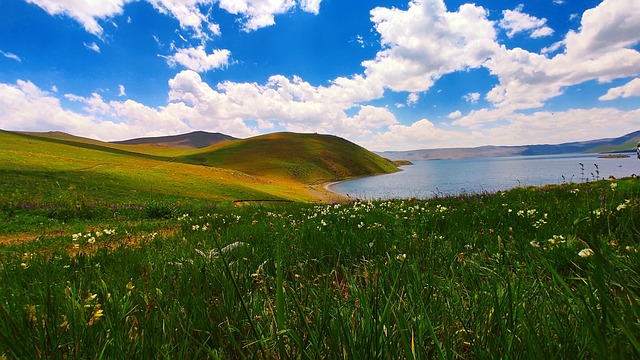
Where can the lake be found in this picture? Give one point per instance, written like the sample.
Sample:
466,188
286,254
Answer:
431,178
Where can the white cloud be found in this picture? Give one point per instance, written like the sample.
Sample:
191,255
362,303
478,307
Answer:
188,14
454,115
312,6
93,47
567,126
518,129
426,41
540,32
419,135
86,12
257,13
609,27
215,29
412,99
552,48
419,45
121,91
24,106
600,50
94,105
197,59
515,21
293,104
11,56
472,97
632,88
371,117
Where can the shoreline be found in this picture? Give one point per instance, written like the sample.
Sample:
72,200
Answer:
322,192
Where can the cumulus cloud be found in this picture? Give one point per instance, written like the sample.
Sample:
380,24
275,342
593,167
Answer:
197,59
11,56
517,129
419,45
86,12
515,21
24,106
601,50
454,115
426,41
121,91
632,88
94,104
312,6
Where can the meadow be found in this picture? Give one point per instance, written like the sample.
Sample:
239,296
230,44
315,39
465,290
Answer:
536,272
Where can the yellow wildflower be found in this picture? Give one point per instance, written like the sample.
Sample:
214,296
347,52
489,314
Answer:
97,314
65,323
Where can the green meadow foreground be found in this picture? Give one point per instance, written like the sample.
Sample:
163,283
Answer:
140,252
548,272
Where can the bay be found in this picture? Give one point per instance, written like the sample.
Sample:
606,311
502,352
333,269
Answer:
430,178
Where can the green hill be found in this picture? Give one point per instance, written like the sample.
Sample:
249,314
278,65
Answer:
307,158
621,144
270,167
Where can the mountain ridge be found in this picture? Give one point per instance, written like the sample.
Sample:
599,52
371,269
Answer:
191,140
625,143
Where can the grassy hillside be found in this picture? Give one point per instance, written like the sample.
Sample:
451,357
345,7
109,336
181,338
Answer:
62,169
66,168
621,144
160,152
310,158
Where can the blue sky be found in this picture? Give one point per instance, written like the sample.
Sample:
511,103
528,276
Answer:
388,75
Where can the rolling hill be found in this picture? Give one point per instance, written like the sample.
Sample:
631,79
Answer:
271,167
309,158
621,144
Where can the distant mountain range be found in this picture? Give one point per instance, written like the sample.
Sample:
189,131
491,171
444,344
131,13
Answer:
612,145
192,140
626,143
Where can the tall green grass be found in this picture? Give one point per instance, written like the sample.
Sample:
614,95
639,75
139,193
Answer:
550,272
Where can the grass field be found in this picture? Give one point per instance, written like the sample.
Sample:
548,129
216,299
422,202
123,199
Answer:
549,272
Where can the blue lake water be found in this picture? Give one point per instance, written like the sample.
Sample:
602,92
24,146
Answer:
431,178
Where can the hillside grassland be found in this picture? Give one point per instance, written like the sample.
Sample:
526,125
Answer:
92,269
60,168
549,272
309,158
